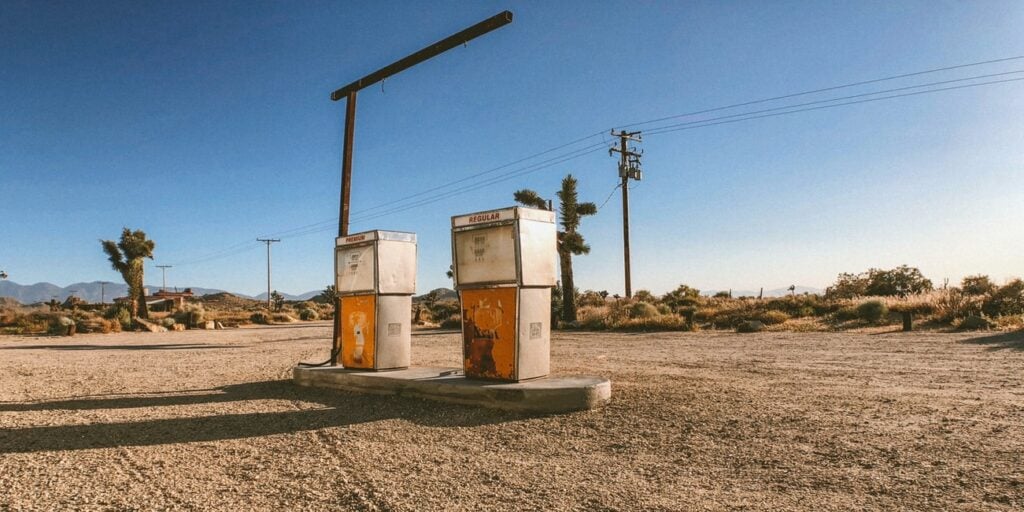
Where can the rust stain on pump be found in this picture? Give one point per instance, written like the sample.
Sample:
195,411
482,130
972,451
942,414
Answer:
358,316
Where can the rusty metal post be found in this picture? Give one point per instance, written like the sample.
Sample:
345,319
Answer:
346,162
346,193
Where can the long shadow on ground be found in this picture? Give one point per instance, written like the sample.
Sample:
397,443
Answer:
1002,341
329,408
154,346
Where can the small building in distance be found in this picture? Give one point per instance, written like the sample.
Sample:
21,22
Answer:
164,300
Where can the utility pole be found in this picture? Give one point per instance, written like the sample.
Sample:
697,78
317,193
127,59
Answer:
349,91
268,241
163,270
629,168
103,292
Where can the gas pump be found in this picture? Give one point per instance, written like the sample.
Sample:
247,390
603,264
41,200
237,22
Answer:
504,263
375,276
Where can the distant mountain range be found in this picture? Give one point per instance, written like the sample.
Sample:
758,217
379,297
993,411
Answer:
94,292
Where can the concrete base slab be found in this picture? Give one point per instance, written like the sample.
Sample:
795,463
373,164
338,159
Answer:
544,395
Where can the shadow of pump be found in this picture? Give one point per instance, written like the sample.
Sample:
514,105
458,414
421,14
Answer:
328,408
1001,341
153,346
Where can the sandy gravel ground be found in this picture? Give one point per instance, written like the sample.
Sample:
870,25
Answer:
209,421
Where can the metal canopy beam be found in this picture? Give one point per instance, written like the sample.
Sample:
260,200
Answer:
497,21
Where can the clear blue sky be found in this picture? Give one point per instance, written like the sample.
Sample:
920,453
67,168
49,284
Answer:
208,124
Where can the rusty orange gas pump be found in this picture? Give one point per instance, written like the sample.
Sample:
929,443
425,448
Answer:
504,265
375,276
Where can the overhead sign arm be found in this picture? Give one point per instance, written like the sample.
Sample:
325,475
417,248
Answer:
494,22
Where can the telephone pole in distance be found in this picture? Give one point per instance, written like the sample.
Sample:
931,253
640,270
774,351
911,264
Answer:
629,168
268,241
163,270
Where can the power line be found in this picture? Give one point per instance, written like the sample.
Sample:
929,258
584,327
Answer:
831,100
703,124
610,194
825,89
522,171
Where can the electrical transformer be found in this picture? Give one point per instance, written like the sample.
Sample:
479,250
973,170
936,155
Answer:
375,276
504,264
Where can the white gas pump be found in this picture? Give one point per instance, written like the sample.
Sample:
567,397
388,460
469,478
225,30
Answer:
504,263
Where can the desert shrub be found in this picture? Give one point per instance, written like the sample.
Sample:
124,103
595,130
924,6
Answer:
797,305
8,316
771,317
655,323
308,315
977,285
920,304
682,296
452,322
97,324
191,315
1008,322
872,311
645,296
952,304
259,317
119,313
642,310
1006,300
900,281
59,325
723,295
664,309
168,322
443,310
845,314
591,298
973,323
282,318
593,318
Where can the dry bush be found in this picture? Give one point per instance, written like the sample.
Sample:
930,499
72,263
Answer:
283,318
191,315
452,322
642,310
628,316
771,317
593,318
872,311
952,305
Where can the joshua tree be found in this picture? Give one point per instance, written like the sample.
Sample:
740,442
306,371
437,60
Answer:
126,256
328,296
570,241
277,300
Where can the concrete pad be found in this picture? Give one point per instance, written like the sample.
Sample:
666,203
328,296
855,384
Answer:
544,395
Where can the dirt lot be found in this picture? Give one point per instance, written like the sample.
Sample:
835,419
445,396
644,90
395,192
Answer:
208,420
